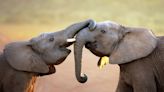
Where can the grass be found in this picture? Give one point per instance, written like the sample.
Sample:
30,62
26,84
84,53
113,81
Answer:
23,19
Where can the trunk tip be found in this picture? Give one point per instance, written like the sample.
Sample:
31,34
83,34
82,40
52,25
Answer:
83,78
92,25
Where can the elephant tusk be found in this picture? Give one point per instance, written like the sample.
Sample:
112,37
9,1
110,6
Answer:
71,40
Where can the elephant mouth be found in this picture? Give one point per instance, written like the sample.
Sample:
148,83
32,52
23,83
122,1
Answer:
64,48
92,47
60,61
68,51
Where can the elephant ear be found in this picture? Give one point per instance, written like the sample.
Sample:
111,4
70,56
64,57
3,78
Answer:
136,43
21,57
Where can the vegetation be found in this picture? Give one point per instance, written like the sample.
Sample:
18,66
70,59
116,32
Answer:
26,18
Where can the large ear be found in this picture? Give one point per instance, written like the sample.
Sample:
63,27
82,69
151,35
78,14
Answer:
136,43
21,57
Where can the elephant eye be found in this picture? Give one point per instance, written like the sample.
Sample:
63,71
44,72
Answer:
51,39
103,31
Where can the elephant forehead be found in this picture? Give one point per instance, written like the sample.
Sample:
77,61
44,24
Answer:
45,34
109,24
42,36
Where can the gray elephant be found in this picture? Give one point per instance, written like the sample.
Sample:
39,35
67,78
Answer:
22,62
137,51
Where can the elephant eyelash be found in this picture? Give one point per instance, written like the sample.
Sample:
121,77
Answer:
103,31
51,39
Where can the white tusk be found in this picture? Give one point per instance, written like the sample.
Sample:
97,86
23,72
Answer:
71,40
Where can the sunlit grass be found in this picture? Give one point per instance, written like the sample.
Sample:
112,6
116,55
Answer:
23,19
22,32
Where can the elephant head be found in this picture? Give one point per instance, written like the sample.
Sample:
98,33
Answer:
48,49
120,43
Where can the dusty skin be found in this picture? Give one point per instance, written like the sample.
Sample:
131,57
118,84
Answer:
104,80
99,80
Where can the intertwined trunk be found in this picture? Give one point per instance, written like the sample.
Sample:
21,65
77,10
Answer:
78,46
72,30
82,38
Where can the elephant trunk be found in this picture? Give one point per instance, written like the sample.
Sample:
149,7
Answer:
81,39
72,30
78,46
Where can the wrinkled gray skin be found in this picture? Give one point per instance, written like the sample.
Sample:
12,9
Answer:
136,50
22,62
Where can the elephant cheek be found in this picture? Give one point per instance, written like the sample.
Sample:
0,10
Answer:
62,56
60,61
97,53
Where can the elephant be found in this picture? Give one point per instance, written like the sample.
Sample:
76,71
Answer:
136,50
22,62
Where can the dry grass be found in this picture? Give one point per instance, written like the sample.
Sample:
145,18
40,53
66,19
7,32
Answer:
147,13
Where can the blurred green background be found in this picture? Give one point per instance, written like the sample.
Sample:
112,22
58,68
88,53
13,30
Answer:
23,19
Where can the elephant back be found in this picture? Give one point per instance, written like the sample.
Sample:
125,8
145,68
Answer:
4,66
157,58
